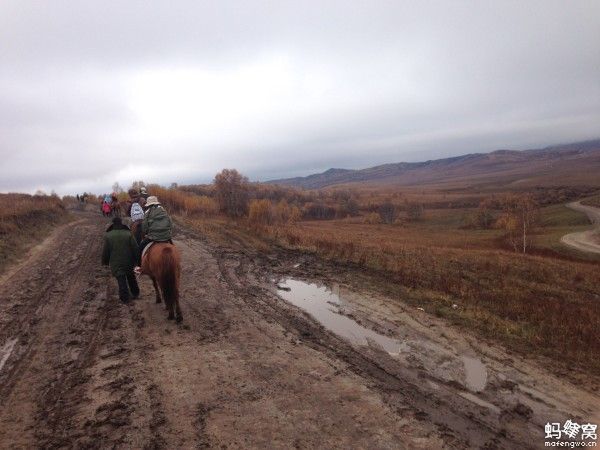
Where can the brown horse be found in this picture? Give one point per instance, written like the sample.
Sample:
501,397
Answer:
136,231
116,208
162,263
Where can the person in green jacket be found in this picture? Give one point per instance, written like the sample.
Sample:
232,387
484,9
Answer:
157,226
120,253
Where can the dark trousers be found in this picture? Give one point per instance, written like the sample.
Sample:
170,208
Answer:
124,289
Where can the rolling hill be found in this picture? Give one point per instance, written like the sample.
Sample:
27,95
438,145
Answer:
569,164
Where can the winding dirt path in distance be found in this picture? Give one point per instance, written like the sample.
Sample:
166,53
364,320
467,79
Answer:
589,240
246,369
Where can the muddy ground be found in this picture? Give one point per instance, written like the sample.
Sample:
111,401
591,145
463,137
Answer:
246,369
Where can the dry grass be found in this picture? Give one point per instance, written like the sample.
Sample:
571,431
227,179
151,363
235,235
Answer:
592,201
531,302
184,203
24,218
547,302
543,304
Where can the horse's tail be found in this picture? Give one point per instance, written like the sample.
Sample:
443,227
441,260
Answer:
169,276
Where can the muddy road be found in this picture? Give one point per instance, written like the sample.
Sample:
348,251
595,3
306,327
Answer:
246,368
589,240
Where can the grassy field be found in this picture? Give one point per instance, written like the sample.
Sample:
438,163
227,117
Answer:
592,201
555,222
25,219
545,302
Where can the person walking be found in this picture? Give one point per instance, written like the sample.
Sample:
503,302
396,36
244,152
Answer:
120,253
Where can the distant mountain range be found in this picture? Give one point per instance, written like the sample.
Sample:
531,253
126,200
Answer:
568,164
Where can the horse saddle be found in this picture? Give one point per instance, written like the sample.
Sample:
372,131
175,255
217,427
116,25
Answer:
150,244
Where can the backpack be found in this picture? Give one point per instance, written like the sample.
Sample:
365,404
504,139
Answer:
137,213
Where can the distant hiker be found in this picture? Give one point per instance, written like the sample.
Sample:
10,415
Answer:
120,253
143,196
106,209
136,213
156,226
134,197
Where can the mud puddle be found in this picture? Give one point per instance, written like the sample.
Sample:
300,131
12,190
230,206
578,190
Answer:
326,307
330,310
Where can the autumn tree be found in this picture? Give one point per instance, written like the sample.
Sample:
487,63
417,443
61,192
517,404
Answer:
116,188
348,207
387,212
231,191
520,215
137,185
483,217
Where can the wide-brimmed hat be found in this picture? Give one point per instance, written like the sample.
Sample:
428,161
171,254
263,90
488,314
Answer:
143,190
152,200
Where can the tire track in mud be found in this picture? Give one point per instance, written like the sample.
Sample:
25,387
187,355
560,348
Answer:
458,421
68,382
35,306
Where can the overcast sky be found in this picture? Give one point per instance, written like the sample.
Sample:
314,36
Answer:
93,92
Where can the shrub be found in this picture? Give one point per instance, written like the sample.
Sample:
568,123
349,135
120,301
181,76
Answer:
414,211
260,212
231,190
372,218
387,212
184,203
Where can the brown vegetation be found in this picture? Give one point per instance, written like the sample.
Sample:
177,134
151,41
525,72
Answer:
231,192
592,201
25,218
529,302
542,302
184,203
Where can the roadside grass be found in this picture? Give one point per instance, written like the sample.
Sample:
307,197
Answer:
534,304
25,219
556,221
562,216
592,201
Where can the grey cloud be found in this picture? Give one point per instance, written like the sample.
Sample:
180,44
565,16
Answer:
92,92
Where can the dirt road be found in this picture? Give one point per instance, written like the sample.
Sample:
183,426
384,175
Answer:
589,240
246,368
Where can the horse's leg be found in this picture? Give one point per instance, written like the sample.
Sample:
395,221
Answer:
169,305
156,289
178,315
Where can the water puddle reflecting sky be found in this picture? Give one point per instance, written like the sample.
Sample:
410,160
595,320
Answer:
327,308
324,306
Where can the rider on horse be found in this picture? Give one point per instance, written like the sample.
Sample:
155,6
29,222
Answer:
136,212
156,226
143,195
